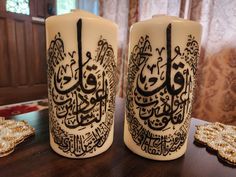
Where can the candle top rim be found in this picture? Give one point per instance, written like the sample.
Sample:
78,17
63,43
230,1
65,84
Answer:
163,18
78,13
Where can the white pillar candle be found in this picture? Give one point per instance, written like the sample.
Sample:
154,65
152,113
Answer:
82,52
163,55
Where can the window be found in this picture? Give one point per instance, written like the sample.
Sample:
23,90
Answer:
18,6
65,6
88,5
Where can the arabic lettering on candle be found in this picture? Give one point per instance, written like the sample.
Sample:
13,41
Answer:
82,93
159,92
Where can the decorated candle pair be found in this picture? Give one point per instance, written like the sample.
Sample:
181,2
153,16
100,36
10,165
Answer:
82,52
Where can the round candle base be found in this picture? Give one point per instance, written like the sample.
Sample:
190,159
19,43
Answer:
98,151
137,149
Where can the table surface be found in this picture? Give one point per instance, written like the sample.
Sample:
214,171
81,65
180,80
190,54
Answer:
34,157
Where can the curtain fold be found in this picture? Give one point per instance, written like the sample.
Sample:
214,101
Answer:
118,12
216,88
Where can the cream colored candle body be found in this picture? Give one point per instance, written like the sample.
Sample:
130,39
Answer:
163,55
82,52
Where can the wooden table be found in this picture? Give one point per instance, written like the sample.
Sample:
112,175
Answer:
34,157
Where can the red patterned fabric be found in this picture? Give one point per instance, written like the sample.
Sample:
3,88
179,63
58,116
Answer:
15,110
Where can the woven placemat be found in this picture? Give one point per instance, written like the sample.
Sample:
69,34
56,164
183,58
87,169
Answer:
12,133
220,138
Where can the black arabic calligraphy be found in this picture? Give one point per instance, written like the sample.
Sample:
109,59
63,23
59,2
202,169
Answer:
81,92
159,92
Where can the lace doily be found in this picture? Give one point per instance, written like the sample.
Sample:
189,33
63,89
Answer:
12,133
219,137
